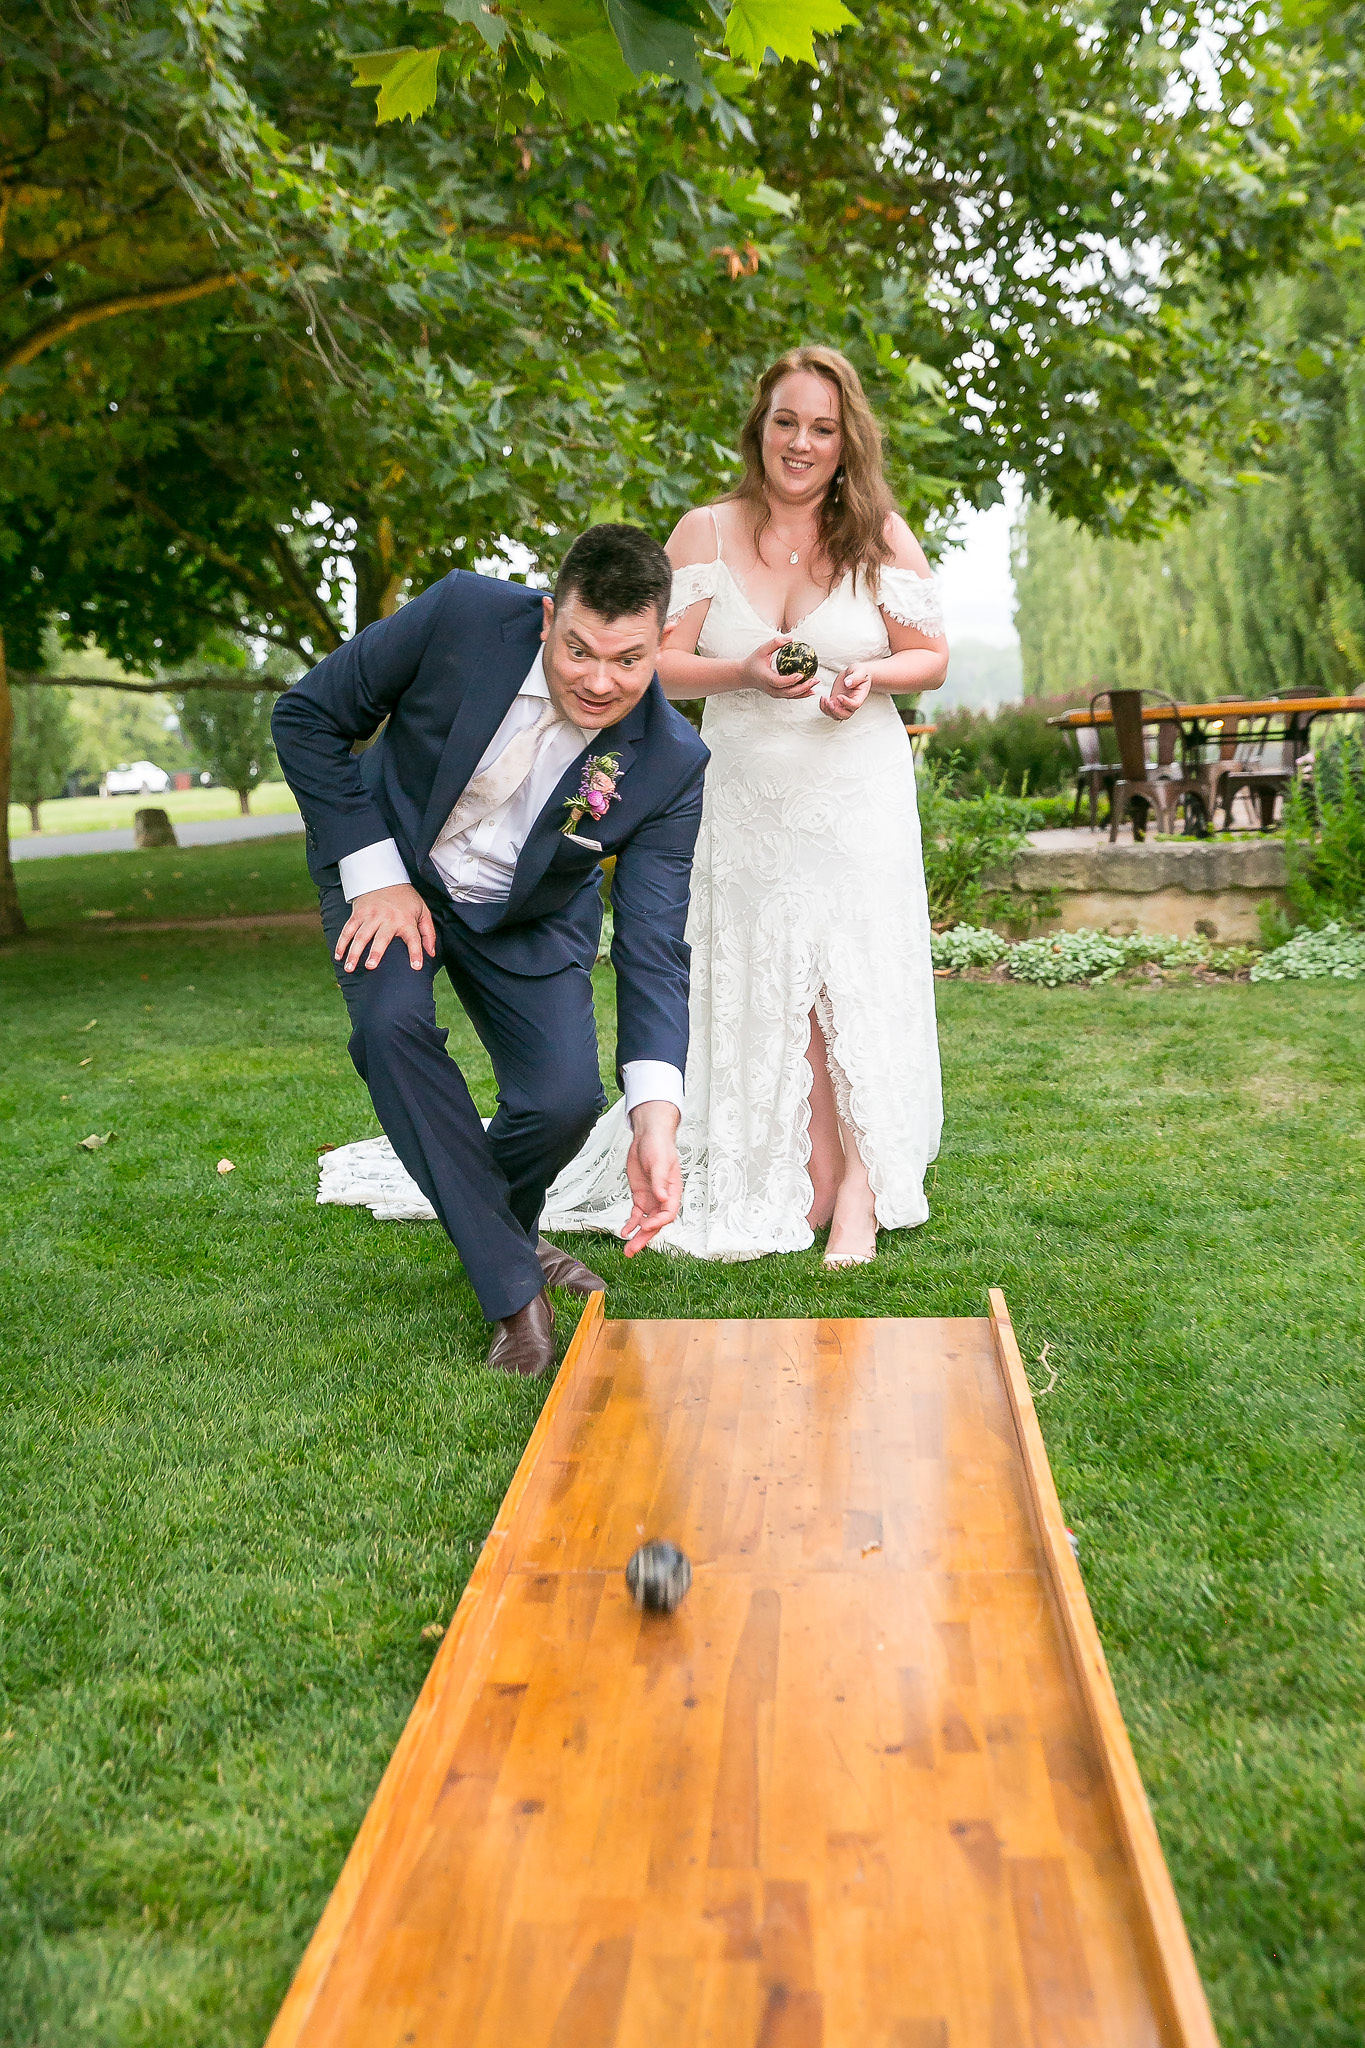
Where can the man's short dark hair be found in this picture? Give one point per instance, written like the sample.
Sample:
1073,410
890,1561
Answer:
617,571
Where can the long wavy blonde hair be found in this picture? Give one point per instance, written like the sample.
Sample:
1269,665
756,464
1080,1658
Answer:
853,516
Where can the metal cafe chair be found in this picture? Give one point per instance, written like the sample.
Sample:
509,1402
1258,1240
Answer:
1093,774
1141,788
1265,769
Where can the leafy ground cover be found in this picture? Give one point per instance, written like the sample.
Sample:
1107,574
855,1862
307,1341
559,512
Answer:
250,1451
1054,959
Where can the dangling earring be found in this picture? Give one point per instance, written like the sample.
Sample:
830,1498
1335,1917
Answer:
838,490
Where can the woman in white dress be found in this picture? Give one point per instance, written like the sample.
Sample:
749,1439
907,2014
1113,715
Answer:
812,1090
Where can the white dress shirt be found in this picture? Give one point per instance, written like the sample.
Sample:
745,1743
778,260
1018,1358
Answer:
477,865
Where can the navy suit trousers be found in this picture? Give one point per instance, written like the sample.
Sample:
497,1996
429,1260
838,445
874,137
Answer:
487,1187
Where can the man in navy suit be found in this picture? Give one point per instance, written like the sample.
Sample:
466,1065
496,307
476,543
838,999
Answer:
454,842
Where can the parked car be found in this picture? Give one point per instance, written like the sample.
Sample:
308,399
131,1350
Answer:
136,778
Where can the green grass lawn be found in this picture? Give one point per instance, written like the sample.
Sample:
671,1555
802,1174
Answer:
249,1449
248,876
184,806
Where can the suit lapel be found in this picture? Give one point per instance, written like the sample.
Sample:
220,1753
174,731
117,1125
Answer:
503,665
535,856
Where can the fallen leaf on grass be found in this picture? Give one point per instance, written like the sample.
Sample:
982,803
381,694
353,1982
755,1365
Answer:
325,1148
90,1026
433,1632
87,1061
93,1143
226,1166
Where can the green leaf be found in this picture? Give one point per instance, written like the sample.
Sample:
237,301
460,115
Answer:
652,42
786,27
406,79
594,79
764,198
492,27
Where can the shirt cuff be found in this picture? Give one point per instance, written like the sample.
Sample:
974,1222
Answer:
373,867
651,1081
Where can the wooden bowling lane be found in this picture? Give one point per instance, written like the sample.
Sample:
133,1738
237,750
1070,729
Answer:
868,1788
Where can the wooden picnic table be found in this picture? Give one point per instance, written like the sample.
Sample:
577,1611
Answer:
1194,720
1262,722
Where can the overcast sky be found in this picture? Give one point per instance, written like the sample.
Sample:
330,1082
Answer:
978,593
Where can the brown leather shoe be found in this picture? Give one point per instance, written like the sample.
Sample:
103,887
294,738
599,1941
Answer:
525,1343
561,1270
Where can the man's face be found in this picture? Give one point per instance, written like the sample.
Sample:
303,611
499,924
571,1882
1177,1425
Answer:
597,669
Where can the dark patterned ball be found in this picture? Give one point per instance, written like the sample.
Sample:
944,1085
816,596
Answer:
796,659
658,1576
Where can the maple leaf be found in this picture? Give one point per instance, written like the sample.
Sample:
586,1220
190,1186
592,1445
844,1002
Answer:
406,78
786,27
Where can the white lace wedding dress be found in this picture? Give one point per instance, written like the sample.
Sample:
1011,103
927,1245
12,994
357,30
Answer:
807,894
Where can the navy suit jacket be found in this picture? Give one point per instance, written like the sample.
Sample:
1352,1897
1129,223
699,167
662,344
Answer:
443,672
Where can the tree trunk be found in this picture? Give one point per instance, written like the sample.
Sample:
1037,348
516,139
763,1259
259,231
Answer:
11,916
378,578
35,817
244,799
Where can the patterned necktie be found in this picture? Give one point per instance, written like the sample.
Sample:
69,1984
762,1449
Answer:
502,778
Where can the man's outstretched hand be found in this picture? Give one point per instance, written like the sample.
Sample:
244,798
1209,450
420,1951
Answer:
397,912
654,1174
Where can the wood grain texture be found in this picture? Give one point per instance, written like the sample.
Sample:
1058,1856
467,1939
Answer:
853,1792
1235,707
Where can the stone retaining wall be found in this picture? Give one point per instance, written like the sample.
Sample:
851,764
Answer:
1198,886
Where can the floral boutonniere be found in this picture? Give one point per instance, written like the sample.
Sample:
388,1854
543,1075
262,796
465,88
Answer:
597,791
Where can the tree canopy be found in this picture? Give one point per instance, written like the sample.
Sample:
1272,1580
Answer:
342,358
265,363
585,56
1262,590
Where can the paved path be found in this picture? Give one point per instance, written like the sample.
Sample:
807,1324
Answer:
209,832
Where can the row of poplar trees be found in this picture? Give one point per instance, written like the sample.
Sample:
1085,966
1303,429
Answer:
1262,590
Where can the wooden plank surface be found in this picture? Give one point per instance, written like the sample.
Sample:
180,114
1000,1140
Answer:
854,1792
1218,707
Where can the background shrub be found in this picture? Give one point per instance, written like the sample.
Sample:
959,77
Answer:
1013,750
964,838
1324,838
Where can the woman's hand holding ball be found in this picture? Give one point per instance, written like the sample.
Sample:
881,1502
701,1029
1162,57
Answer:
762,670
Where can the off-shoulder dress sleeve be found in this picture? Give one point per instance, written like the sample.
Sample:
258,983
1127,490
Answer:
690,585
911,599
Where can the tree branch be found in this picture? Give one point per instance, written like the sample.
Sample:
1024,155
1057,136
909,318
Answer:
240,680
63,325
117,219
262,592
294,576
